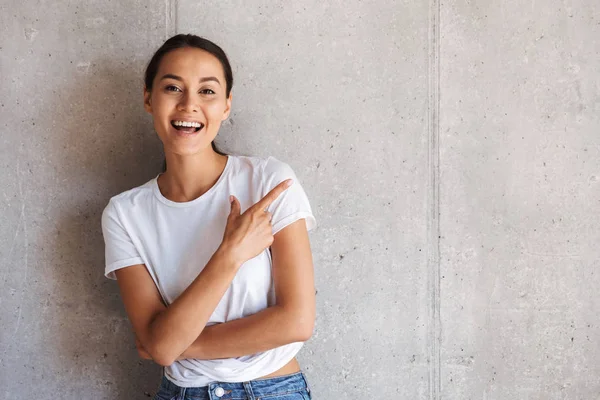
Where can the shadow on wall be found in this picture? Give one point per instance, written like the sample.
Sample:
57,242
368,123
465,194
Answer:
106,145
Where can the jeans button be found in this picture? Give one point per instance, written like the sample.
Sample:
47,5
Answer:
219,392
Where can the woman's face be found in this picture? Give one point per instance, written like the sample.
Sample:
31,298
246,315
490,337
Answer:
189,87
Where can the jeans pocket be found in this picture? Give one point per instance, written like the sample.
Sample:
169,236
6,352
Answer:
159,397
164,395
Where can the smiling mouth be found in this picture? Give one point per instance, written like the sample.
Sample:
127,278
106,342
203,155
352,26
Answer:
188,129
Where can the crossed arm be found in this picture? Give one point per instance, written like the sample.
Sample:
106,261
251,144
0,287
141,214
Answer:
290,320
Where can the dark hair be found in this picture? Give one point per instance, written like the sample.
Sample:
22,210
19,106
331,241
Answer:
182,41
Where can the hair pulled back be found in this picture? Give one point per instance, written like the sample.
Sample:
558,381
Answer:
182,41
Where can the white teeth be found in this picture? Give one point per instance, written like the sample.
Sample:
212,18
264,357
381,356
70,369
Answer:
187,124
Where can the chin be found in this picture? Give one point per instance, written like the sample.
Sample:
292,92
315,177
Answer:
189,150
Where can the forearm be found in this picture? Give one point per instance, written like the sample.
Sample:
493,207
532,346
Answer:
177,327
265,330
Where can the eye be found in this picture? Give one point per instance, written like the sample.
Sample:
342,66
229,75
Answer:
171,87
207,91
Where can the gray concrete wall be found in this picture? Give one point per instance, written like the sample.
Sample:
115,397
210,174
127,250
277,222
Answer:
450,152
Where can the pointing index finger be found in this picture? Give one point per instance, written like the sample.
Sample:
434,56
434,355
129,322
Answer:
270,197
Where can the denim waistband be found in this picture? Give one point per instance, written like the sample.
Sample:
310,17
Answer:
259,388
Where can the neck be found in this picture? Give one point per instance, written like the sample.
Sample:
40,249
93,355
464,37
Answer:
189,177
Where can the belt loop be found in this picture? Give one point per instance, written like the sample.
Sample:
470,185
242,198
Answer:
248,389
305,382
209,389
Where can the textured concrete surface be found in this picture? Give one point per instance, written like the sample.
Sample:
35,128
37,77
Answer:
520,200
450,152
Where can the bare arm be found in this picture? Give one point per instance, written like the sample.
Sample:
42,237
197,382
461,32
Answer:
290,320
166,332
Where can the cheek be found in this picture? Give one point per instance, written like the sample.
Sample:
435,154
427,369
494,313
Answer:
214,110
160,105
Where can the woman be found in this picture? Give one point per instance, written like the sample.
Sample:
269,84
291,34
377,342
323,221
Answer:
212,256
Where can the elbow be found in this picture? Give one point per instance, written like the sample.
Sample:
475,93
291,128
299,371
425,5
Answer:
298,323
303,336
161,349
161,355
164,360
303,328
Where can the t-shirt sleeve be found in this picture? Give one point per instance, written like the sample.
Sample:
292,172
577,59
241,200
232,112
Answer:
119,250
292,204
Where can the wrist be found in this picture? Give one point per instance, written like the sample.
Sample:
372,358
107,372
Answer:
226,256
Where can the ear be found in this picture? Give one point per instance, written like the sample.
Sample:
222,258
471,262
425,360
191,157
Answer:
227,109
147,101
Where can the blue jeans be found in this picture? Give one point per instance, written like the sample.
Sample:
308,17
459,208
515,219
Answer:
285,387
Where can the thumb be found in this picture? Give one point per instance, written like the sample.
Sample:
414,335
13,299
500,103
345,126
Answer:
235,206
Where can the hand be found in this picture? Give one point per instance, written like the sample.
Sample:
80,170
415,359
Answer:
248,234
141,350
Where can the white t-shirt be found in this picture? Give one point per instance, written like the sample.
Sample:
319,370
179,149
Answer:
175,241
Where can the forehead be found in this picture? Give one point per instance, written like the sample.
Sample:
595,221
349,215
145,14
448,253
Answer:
191,63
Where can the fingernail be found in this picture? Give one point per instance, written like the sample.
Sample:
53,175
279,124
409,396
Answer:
230,199
289,183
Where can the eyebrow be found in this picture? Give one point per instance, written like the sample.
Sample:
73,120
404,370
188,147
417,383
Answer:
178,78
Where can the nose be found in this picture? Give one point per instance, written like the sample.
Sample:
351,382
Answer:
188,103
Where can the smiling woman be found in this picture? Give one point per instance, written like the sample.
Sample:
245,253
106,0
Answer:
196,55
212,256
